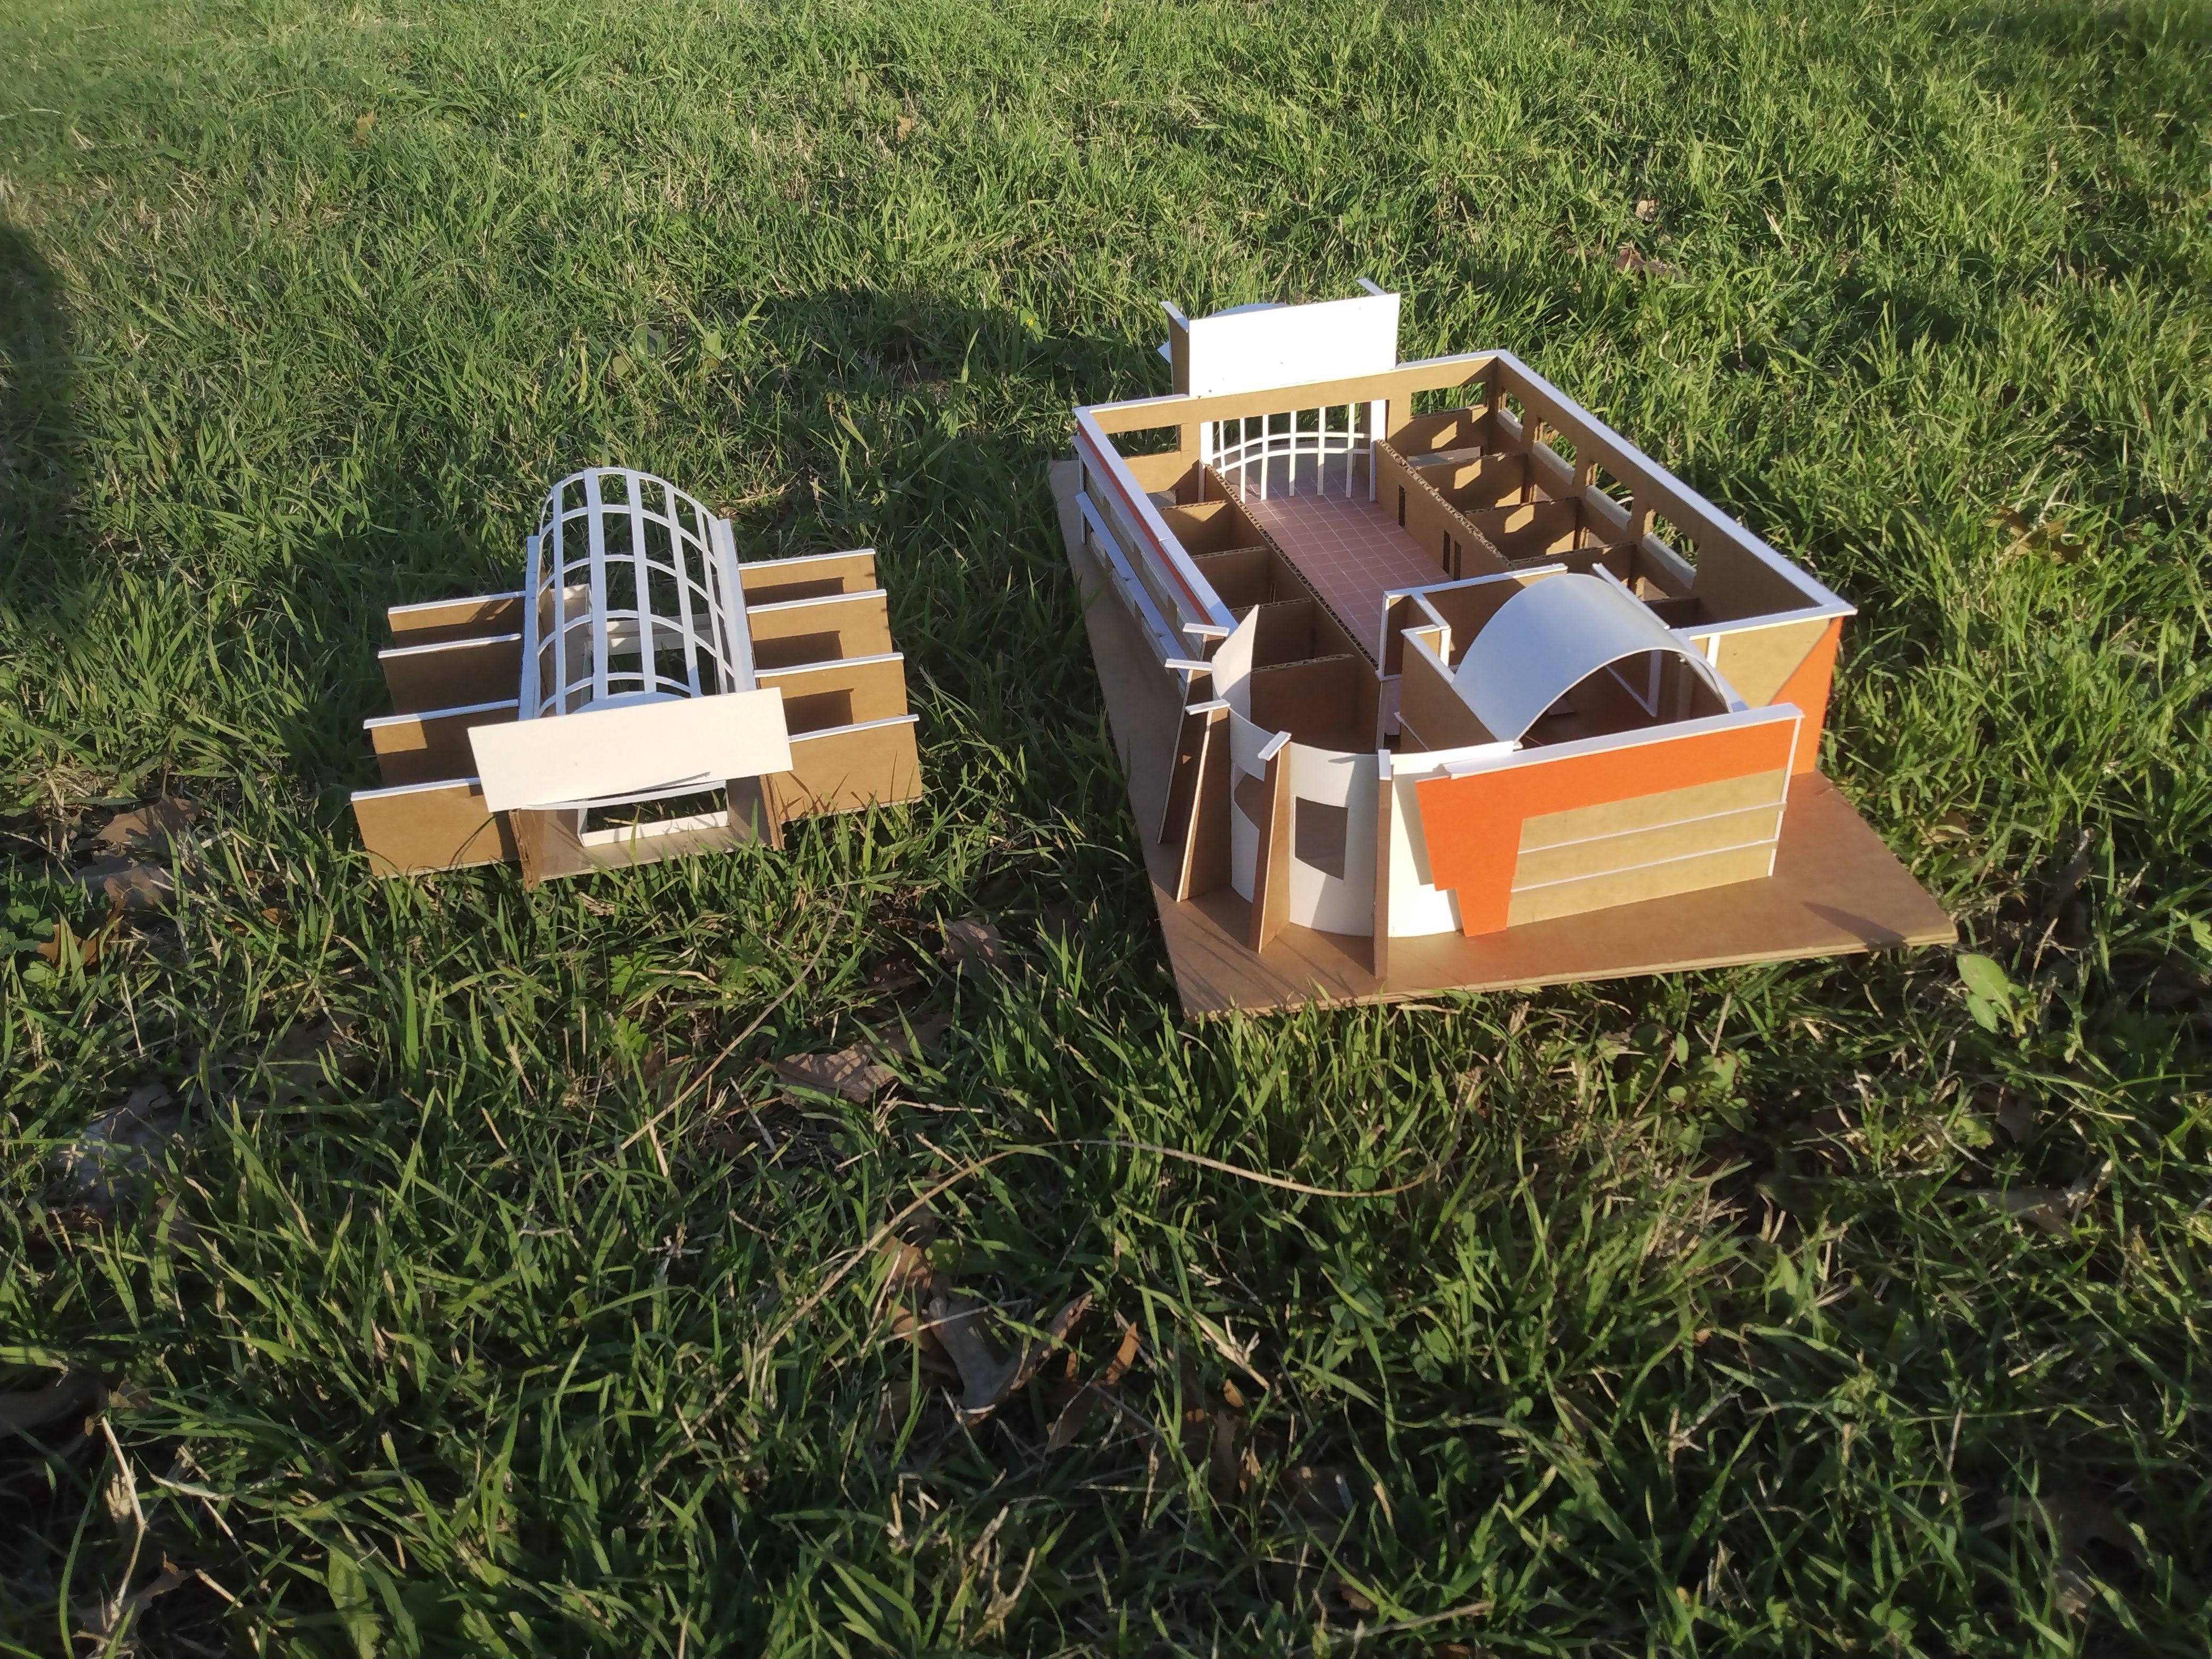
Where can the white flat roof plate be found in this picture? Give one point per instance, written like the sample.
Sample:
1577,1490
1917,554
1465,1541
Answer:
598,754
1256,349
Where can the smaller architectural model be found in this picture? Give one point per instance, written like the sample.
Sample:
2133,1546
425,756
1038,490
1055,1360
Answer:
643,695
1425,678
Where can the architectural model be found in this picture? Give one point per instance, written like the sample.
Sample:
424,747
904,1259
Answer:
1424,676
643,695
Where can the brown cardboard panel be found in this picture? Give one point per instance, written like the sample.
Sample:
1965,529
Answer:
1432,713
1317,700
1836,888
1620,818
822,575
1449,429
1580,860
441,826
433,746
1467,605
1388,386
853,767
1733,582
1209,526
1271,870
1239,577
549,844
1285,632
1436,526
438,621
1485,481
1757,662
1200,823
453,674
803,631
1174,470
874,688
1691,875
1385,798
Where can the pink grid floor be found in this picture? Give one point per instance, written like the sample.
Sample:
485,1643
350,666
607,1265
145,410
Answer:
1351,554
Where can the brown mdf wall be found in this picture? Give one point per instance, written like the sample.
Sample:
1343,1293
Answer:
1211,526
1436,527
781,581
850,767
1432,713
435,621
1546,530
434,746
1466,607
791,634
1451,429
825,694
1327,702
435,826
451,673
1485,481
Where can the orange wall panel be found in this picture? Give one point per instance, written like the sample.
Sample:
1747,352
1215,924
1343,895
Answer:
1473,823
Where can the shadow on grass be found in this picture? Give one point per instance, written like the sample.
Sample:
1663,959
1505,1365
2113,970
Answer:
38,459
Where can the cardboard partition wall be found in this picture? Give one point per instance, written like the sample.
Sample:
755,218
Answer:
643,695
1411,694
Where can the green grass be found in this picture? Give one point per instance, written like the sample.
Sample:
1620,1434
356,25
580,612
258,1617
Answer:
1722,1318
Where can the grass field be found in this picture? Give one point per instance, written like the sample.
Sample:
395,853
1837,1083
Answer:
1855,1305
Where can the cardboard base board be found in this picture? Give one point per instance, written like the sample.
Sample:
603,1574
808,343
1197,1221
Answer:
1836,888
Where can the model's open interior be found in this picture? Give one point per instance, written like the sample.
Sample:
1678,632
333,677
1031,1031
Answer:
1452,654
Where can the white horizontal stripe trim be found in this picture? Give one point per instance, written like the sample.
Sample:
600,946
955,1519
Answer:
825,598
1780,793
1646,864
418,788
376,721
448,645
798,738
447,605
824,667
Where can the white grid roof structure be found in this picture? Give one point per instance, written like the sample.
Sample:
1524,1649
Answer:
632,597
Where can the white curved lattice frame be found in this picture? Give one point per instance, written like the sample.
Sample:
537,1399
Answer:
632,597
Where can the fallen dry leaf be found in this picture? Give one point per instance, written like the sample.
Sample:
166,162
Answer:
128,884
916,1037
889,978
1952,826
975,943
295,1065
148,830
858,1072
2075,1520
1077,1411
61,944
1627,259
853,1073
2054,1209
987,1379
